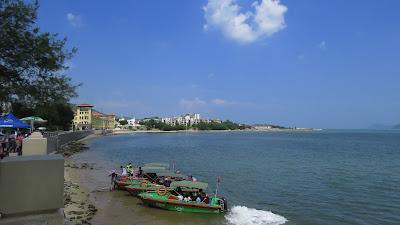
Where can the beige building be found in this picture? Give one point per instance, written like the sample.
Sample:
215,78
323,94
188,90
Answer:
87,118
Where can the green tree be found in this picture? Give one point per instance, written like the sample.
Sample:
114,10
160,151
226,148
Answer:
32,66
123,122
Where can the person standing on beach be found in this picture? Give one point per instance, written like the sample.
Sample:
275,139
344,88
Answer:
114,177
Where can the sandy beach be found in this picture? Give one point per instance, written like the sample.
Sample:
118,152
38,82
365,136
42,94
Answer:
78,208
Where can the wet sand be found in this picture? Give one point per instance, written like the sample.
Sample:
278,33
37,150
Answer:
77,207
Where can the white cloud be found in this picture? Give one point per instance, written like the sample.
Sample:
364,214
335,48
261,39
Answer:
191,103
218,101
267,19
322,45
74,20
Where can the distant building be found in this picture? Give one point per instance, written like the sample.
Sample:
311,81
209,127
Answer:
132,122
85,117
189,119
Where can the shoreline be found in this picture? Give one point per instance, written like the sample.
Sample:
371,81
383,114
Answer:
78,207
118,132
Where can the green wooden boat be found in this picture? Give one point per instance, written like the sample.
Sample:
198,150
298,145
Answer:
164,198
157,164
138,188
149,172
171,175
122,183
153,169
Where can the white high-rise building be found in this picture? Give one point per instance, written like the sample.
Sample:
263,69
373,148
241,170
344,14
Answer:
132,121
185,120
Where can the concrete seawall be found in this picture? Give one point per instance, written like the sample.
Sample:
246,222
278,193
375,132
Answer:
31,189
56,140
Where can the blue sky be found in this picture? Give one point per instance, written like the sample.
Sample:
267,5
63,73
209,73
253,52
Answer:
329,64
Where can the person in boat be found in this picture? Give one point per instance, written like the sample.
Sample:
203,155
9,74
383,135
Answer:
160,181
198,199
129,168
140,172
204,197
180,197
195,196
167,182
192,178
123,171
178,191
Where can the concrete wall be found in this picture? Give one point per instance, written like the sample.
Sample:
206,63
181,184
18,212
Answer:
30,184
65,138
52,144
57,140
54,217
35,144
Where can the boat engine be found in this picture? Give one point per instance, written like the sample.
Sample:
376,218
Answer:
224,204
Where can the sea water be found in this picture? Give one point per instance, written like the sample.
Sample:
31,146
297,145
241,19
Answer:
271,178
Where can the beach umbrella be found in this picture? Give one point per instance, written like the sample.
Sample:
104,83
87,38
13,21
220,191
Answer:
33,120
10,121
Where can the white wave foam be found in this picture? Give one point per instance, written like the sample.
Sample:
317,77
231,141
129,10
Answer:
241,215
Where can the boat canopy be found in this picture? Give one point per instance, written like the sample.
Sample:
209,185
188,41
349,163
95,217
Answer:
157,164
170,174
189,184
153,169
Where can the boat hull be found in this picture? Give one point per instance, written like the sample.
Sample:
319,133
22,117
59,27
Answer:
137,189
121,184
180,206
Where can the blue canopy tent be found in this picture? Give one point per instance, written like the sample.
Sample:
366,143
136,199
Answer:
10,121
